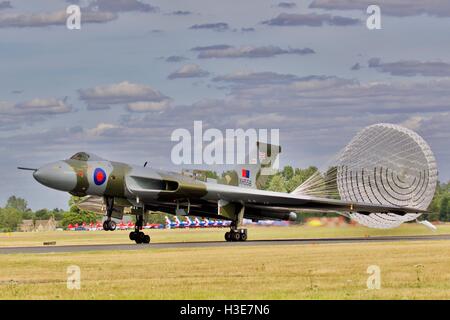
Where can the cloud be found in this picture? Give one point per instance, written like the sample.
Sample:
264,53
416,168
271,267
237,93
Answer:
24,20
356,67
411,68
121,6
5,5
100,129
148,106
256,78
219,26
101,97
188,71
397,8
310,20
286,5
175,59
15,115
181,13
213,47
225,51
37,106
250,29
413,123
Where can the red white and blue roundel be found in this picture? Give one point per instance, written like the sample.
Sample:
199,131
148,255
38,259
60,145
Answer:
99,176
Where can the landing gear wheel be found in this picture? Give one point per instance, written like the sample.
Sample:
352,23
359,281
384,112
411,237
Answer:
105,225
112,225
140,238
243,236
236,236
227,236
146,239
132,236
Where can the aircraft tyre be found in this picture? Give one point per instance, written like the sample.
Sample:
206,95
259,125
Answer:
238,235
139,237
109,225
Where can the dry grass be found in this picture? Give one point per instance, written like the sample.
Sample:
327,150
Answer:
313,271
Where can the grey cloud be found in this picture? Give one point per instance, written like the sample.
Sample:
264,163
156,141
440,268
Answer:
175,59
23,20
398,8
219,26
5,5
224,51
14,115
213,47
181,13
122,6
250,29
37,106
311,20
356,67
287,5
188,71
102,97
411,68
259,78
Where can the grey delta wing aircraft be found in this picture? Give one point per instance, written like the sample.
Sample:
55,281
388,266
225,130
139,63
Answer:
373,190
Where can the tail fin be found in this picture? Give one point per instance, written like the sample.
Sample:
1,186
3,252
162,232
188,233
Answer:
260,163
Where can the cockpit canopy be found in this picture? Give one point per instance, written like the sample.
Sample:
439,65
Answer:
84,156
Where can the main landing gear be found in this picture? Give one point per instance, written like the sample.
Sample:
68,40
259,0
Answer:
137,235
236,233
108,224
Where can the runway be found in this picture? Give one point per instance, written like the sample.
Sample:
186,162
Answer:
208,244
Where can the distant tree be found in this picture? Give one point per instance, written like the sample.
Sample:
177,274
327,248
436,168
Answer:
157,217
277,183
42,214
78,217
17,203
444,208
10,218
287,173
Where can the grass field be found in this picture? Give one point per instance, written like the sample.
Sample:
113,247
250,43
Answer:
409,270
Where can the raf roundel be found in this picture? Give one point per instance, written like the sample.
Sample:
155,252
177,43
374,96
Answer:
99,176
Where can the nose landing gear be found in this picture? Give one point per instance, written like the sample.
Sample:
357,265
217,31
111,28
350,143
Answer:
108,224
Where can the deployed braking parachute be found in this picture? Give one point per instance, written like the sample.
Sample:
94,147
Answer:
384,164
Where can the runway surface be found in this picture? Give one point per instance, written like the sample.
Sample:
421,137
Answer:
206,244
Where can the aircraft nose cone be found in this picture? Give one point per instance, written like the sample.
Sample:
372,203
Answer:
58,175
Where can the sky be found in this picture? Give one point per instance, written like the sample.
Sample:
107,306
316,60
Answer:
137,70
